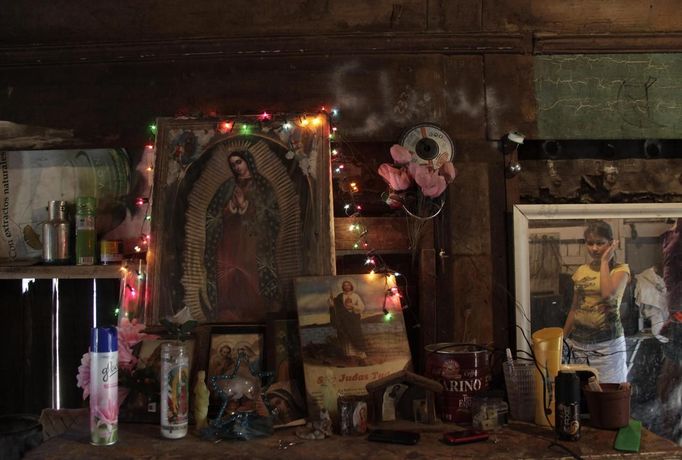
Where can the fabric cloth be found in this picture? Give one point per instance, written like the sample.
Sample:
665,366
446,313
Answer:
650,289
609,358
596,319
651,296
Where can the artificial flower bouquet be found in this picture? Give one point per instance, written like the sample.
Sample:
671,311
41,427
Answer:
415,185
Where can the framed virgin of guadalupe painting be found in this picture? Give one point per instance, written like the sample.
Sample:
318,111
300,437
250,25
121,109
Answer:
240,208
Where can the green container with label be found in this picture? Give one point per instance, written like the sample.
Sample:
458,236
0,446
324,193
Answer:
86,238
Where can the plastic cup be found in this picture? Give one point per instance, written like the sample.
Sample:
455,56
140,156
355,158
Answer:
547,344
519,378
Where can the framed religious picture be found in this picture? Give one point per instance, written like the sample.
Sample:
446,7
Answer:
226,344
285,394
352,333
240,208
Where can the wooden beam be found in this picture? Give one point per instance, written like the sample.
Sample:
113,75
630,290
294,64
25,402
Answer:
60,271
263,47
384,234
551,43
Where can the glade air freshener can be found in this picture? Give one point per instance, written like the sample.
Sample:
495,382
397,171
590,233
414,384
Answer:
85,230
56,234
103,386
174,389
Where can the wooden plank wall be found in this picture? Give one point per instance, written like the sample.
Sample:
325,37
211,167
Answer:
100,73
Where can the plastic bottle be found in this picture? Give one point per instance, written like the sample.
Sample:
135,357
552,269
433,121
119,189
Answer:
174,390
568,405
85,230
103,386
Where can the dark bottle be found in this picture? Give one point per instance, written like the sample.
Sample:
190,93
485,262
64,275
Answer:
567,386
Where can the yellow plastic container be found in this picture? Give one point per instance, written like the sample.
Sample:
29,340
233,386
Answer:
547,346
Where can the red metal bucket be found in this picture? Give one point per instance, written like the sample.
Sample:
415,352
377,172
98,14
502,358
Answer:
464,371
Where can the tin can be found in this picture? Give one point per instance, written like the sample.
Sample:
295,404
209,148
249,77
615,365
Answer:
110,251
464,372
85,230
352,415
56,234
103,386
174,390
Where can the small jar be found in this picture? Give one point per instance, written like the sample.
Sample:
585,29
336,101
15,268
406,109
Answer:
174,389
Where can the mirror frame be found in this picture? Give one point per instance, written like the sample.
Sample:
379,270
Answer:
523,213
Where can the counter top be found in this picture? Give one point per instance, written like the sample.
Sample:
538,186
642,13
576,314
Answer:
516,440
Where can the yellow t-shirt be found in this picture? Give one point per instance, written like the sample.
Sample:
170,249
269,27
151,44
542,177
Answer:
596,319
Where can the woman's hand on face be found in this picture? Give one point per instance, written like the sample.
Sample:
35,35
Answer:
609,252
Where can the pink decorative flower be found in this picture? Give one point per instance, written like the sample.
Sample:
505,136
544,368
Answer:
400,154
130,332
126,359
448,171
397,179
83,377
431,184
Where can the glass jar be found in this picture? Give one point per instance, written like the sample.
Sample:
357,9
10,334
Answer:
174,389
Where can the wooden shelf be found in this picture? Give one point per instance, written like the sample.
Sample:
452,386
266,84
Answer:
61,271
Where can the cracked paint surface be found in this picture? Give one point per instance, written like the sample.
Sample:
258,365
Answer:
609,96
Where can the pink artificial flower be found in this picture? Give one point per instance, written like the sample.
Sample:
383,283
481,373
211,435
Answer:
448,171
130,332
431,184
397,179
400,154
126,359
83,376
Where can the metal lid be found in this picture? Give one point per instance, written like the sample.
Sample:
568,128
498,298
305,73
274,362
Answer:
103,339
57,210
86,205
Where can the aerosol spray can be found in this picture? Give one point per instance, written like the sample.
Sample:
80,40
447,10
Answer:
103,386
85,230
56,234
567,384
174,390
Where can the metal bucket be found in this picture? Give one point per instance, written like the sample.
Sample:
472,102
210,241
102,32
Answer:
464,371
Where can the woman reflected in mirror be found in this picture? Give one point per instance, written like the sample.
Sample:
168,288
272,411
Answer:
593,327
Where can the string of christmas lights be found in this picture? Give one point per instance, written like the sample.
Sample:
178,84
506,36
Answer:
349,188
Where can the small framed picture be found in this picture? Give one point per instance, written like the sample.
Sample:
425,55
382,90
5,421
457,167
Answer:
228,341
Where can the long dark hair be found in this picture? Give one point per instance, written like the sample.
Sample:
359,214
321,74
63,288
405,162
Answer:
601,229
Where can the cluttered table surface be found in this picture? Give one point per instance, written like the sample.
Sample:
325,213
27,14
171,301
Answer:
516,440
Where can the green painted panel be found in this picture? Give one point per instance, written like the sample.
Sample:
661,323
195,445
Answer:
609,96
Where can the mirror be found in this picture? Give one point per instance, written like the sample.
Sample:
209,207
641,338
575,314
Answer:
550,245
